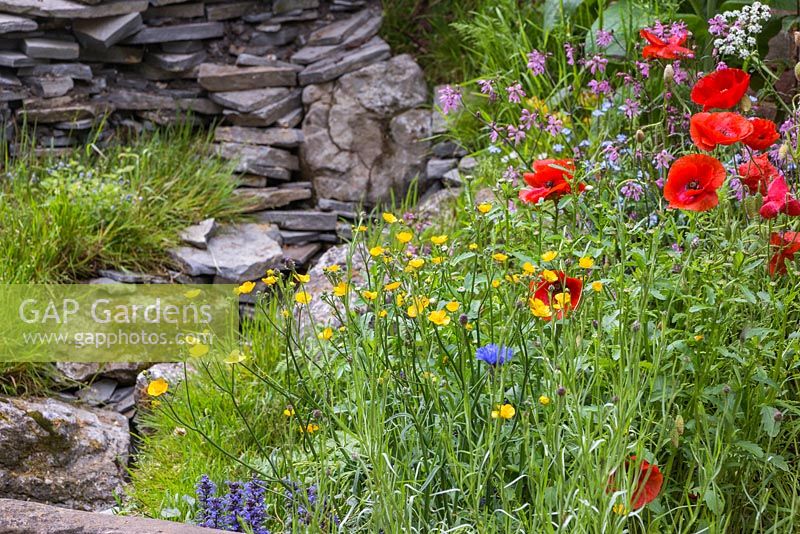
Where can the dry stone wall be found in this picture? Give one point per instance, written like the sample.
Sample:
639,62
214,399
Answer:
307,100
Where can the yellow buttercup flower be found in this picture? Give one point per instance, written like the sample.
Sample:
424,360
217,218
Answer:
245,288
597,286
416,263
620,509
341,289
331,268
404,237
504,411
473,246
528,268
302,297
383,313
586,262
495,283
310,428
469,327
369,295
157,387
439,239
360,228
439,318
288,411
270,280
389,218
698,337
499,256
544,400
326,334
484,207
236,356
199,350
452,306
376,251
561,301
302,278
420,303
437,260
391,286
540,309
550,255
549,276
192,293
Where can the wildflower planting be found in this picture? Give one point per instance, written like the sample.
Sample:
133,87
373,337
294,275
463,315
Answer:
604,338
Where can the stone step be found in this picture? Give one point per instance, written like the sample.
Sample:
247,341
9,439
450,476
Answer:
258,199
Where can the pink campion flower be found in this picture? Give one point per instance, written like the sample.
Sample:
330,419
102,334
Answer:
554,125
721,66
604,38
515,134
569,51
487,88
599,87
663,159
511,174
678,28
632,191
680,73
659,30
515,93
718,26
630,108
536,61
737,191
644,68
596,64
527,119
449,99
494,133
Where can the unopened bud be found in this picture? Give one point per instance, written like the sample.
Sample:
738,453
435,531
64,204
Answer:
777,416
783,151
669,74
639,136
745,104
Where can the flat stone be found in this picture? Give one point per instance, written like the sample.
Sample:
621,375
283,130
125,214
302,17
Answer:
50,87
272,39
12,95
21,517
76,71
98,392
278,137
124,276
185,10
13,59
178,32
269,114
313,53
197,235
126,55
122,400
83,124
107,31
165,2
144,101
59,111
285,6
250,100
437,167
40,48
182,47
238,252
121,372
11,23
175,62
467,165
452,178
253,180
337,32
67,9
251,60
375,50
231,78
291,119
341,209
297,15
257,199
8,79
275,173
232,10
300,255
61,454
448,149
300,220
298,238
251,158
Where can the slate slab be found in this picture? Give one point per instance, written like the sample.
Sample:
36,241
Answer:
278,137
177,32
233,10
257,199
175,62
231,78
338,31
375,50
126,55
12,23
76,71
250,100
42,48
50,87
253,159
269,114
107,31
14,59
318,52
197,235
184,10
299,220
67,9
285,6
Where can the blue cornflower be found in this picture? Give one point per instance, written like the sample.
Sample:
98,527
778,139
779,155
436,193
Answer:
493,354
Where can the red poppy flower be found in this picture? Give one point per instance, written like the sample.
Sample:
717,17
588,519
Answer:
779,200
788,244
550,179
669,49
562,295
721,89
648,483
725,128
757,173
764,135
692,182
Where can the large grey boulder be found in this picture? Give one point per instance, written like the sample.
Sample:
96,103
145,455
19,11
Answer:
19,517
365,134
61,454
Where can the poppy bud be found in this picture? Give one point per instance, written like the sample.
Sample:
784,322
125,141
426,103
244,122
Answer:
316,414
639,136
463,319
636,326
745,104
669,74
778,416
561,391
783,151
726,389
797,70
